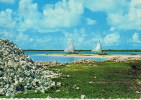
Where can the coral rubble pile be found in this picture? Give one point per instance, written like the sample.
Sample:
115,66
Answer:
118,59
19,73
122,58
84,61
50,63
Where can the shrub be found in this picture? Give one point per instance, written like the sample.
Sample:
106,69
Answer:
133,54
136,65
103,53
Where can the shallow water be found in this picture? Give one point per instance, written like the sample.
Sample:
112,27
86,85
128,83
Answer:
63,59
81,52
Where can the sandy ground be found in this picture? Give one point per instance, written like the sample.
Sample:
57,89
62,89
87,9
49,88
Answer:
92,55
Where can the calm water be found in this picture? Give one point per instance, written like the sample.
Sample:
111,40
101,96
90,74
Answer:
34,55
81,52
62,59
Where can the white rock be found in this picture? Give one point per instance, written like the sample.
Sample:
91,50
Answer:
18,72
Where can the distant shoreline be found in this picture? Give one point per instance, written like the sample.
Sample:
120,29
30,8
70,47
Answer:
134,50
90,55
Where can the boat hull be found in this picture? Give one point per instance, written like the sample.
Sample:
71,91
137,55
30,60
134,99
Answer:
75,52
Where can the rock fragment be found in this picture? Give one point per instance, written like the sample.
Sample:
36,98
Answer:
19,73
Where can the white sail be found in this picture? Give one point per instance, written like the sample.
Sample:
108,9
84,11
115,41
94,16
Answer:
98,48
70,47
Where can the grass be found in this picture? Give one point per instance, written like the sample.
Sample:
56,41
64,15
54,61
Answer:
106,80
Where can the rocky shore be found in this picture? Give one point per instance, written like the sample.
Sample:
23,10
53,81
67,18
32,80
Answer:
84,61
123,58
109,57
56,63
50,63
87,61
19,73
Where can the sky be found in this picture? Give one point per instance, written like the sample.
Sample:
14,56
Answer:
52,24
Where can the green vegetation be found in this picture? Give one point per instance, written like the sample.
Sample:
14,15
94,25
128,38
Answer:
103,53
136,65
133,54
95,80
133,50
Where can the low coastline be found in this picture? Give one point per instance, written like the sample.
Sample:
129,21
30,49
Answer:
115,58
91,55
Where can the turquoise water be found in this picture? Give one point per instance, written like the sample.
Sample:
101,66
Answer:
81,52
34,55
62,59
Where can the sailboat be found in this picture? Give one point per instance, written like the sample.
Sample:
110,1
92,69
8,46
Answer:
98,48
70,48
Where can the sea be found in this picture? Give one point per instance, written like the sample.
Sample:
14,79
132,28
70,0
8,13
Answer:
36,56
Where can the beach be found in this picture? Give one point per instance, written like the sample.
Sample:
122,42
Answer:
92,55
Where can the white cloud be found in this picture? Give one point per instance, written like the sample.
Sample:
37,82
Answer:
29,16
100,5
6,19
43,40
79,36
136,38
112,29
7,33
23,40
21,37
127,20
90,21
63,14
68,13
121,14
8,1
111,39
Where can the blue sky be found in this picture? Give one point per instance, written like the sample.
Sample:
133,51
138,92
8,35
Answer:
51,24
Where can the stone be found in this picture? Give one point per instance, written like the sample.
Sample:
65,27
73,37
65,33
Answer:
84,61
19,73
